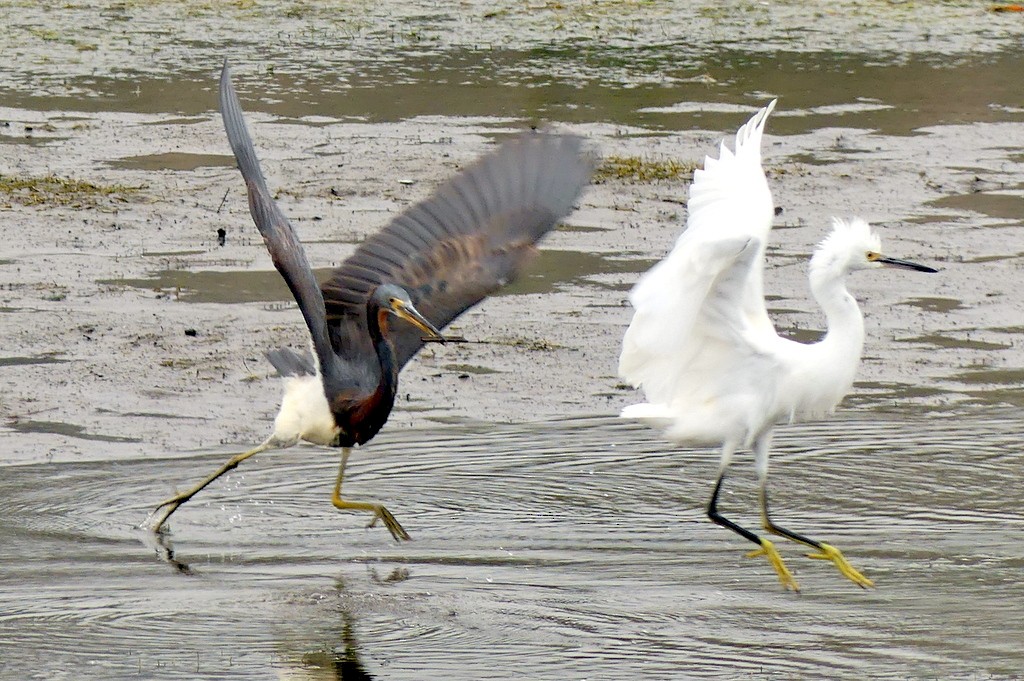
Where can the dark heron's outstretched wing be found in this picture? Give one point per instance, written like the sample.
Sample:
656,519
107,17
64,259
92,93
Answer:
454,248
282,243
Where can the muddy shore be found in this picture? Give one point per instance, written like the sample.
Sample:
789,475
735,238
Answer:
130,331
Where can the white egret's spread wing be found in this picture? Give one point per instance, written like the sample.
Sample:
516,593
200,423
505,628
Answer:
697,343
730,198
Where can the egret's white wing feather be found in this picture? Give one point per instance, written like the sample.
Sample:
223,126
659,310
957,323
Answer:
699,343
730,198
667,328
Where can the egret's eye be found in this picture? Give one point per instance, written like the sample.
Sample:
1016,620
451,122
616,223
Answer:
872,256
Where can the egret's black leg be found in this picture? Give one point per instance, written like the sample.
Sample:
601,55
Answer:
766,547
824,551
762,445
719,519
378,510
770,526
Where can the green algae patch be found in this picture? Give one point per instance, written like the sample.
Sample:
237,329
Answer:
639,169
51,190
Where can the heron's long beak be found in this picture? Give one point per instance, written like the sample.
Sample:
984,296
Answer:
904,264
410,314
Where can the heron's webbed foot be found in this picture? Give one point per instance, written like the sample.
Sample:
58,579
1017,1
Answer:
829,552
172,505
390,522
379,513
769,551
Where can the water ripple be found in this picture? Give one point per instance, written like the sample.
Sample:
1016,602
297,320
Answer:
569,549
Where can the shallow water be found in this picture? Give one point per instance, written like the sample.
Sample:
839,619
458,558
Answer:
649,86
551,270
572,549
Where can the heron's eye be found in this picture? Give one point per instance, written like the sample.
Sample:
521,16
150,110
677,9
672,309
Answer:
872,256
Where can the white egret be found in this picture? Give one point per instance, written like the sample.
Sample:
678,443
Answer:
701,345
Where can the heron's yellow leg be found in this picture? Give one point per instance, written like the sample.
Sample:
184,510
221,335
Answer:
378,510
785,576
174,502
829,552
824,551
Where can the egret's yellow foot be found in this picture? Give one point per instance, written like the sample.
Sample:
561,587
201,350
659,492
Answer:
785,576
833,554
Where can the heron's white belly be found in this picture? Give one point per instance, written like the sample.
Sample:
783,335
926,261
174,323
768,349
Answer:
305,414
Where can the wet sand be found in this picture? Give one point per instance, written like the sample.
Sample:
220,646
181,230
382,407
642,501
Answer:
97,300
133,342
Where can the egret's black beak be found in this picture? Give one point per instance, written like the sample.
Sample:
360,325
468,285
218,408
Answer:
410,314
904,264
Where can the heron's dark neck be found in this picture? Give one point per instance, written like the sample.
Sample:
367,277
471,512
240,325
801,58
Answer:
378,324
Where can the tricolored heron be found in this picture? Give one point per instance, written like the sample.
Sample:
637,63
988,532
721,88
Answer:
428,266
702,347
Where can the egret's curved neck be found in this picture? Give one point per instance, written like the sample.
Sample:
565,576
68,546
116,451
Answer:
844,339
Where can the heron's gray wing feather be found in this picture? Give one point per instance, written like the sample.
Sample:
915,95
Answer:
278,235
467,239
288,362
